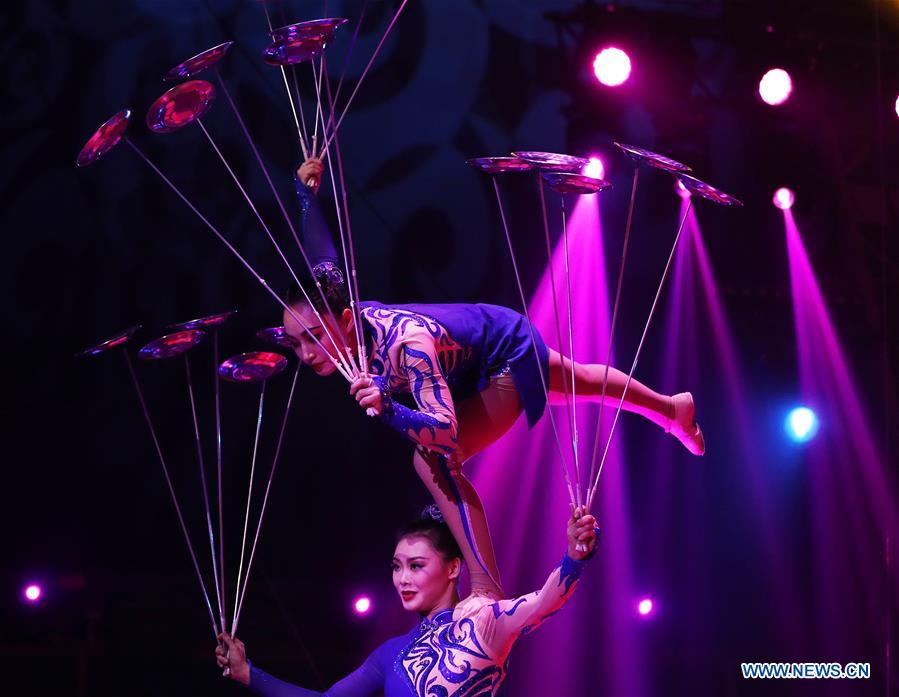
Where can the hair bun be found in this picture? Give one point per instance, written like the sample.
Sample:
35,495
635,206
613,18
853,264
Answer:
432,512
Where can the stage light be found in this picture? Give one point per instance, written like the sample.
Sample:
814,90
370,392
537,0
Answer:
595,169
775,86
32,593
362,605
645,607
612,66
784,198
681,190
897,106
801,424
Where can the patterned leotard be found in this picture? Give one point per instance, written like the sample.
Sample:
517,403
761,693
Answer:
457,653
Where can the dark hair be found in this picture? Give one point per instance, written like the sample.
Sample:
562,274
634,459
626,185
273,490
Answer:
333,287
432,527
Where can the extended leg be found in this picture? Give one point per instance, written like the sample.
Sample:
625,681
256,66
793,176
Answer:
483,419
672,413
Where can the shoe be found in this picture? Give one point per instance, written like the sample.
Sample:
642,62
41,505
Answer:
683,426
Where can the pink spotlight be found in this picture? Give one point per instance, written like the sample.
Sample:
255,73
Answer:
645,607
681,190
32,593
612,66
595,169
784,198
897,106
775,86
362,605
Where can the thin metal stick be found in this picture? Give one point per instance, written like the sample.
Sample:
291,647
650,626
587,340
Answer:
246,520
296,89
349,253
630,374
346,64
168,481
202,465
270,236
574,434
552,285
605,377
293,230
218,462
247,265
318,99
268,487
527,317
300,133
364,73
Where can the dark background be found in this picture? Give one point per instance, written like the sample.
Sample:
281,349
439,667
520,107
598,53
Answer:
89,252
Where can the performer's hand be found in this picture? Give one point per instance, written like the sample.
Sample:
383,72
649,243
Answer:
367,393
310,173
232,658
581,533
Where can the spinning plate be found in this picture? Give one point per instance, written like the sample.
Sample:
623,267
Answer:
180,106
199,63
252,367
171,345
104,139
275,335
291,51
313,29
204,322
653,159
552,162
498,165
113,342
707,191
568,183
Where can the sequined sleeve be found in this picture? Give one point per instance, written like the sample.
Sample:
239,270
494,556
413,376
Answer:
315,233
433,425
515,617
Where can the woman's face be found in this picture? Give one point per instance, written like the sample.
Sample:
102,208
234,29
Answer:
307,350
421,576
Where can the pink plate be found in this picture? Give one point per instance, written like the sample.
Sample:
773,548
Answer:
118,340
199,63
498,165
652,158
252,367
292,51
171,345
104,139
552,162
180,106
204,322
707,191
311,29
568,183
275,335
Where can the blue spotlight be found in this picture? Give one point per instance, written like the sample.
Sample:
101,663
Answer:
801,424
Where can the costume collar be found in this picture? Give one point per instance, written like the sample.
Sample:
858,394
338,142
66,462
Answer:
442,617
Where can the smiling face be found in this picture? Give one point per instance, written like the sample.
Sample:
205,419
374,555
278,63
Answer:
424,580
316,355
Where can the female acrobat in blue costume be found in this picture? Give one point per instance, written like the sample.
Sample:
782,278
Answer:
467,372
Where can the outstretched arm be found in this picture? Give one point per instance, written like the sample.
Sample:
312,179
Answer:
366,680
316,235
518,616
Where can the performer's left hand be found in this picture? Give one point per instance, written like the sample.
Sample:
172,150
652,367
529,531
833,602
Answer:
310,173
581,533
367,393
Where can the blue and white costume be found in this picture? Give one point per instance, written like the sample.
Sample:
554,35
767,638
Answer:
457,653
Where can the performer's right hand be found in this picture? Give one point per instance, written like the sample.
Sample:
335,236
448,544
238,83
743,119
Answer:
310,173
232,658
